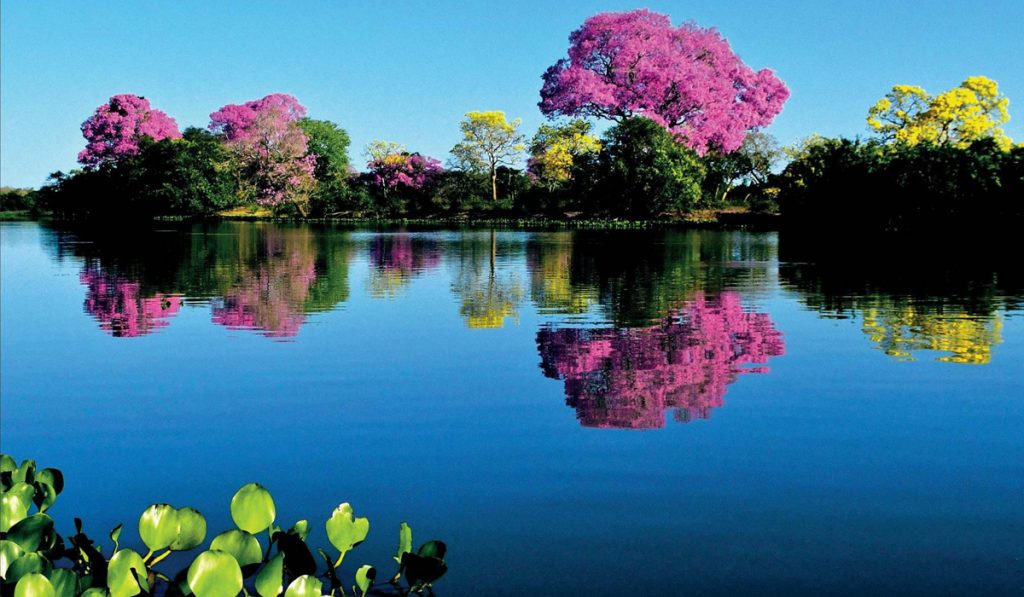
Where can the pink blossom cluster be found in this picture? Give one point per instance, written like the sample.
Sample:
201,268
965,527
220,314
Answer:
685,78
115,302
629,377
265,136
411,170
116,128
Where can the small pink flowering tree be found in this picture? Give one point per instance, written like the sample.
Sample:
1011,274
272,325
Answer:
394,169
687,79
115,129
270,148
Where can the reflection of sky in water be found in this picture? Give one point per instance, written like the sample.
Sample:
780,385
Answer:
426,376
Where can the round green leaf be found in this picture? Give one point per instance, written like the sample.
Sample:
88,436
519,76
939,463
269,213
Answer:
252,508
7,464
26,473
44,495
304,586
32,532
215,574
344,531
270,579
301,528
65,582
52,477
94,592
9,551
158,526
120,580
365,577
27,563
191,530
12,510
25,491
243,546
34,585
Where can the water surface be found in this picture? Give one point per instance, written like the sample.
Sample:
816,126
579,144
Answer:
598,413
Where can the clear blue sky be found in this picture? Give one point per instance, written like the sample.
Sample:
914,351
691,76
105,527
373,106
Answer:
408,71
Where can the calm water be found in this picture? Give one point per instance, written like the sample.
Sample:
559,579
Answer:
574,413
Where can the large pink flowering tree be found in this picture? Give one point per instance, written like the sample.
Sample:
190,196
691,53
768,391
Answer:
272,153
115,129
686,78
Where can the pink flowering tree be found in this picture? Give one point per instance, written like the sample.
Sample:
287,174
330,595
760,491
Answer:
394,170
687,79
271,150
115,129
629,377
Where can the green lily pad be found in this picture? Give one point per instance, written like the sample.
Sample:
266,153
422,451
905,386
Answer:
120,580
252,508
34,585
215,574
158,526
242,545
270,579
304,586
191,530
344,531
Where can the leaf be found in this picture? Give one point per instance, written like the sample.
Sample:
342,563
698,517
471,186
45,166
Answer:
191,530
94,592
12,511
252,508
304,586
297,557
9,551
120,580
65,582
433,549
365,577
27,563
404,541
32,533
7,464
43,495
34,585
270,579
52,477
25,492
158,526
26,473
422,570
243,546
115,534
215,574
301,528
344,531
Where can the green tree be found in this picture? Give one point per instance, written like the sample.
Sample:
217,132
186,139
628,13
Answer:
489,140
329,143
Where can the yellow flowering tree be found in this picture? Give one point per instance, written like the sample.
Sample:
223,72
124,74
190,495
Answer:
555,148
488,140
974,110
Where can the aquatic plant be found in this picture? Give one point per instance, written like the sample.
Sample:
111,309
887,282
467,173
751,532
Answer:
36,561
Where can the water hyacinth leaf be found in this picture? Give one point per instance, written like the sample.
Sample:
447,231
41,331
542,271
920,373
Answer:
34,585
270,579
158,526
297,557
65,582
94,592
365,577
215,574
27,563
121,581
9,551
26,473
7,464
115,535
252,508
344,531
422,570
433,549
191,530
32,533
44,495
304,586
52,477
243,546
404,541
301,528
12,511
24,491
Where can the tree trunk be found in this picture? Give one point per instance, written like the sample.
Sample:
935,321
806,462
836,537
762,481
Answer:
494,184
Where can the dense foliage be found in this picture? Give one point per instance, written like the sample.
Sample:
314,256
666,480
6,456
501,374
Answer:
37,561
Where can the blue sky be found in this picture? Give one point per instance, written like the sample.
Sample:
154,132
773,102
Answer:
408,71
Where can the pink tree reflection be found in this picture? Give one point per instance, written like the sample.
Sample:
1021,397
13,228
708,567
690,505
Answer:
629,377
270,295
115,302
395,259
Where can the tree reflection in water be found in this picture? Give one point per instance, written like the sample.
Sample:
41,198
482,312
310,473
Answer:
628,377
117,304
